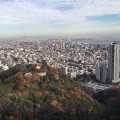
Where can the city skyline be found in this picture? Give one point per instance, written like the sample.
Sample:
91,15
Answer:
59,17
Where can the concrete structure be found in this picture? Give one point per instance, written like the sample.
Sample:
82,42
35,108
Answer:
64,70
101,72
72,75
42,74
98,70
114,62
95,86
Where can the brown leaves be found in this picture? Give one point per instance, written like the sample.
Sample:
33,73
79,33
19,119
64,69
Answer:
35,77
46,92
79,93
57,106
25,93
24,83
37,105
61,92
37,94
54,103
54,71
18,93
63,81
12,94
75,89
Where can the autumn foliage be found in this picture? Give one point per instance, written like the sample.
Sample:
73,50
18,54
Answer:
35,77
54,71
37,105
24,95
61,92
37,94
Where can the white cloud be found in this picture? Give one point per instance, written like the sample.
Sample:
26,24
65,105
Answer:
49,11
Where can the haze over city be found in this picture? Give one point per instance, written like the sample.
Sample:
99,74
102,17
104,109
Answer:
59,18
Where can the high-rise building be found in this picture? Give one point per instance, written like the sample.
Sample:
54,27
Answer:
39,46
98,72
101,72
62,44
114,62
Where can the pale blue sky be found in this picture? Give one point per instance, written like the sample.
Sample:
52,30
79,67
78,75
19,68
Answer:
59,17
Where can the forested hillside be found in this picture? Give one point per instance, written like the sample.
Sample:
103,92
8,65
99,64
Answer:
111,99
42,93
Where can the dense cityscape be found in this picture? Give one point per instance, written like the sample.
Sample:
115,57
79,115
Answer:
73,58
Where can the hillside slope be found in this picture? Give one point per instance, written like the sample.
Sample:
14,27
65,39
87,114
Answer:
43,93
111,99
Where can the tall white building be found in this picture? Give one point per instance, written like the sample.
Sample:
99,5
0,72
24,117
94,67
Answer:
101,72
114,62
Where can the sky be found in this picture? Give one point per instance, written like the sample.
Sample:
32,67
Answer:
59,17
